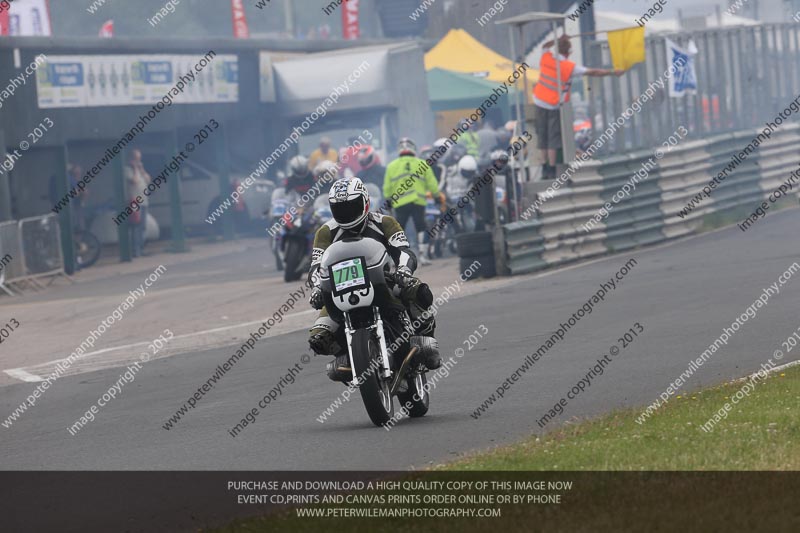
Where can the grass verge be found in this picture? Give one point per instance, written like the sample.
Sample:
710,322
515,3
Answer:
651,481
762,432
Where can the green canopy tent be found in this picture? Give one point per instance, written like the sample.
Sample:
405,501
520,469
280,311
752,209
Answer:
450,90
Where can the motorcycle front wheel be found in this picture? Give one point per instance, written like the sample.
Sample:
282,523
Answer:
295,250
375,392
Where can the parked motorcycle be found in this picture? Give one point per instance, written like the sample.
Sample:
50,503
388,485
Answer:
385,358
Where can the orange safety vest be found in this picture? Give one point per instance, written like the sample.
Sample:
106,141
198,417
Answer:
546,89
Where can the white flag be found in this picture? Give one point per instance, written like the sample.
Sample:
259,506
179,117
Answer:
684,81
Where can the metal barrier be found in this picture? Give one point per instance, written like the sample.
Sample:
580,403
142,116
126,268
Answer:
11,248
744,74
651,213
34,247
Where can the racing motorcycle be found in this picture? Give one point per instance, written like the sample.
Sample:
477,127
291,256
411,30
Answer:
445,236
386,358
292,245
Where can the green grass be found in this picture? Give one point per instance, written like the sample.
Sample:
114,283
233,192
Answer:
762,432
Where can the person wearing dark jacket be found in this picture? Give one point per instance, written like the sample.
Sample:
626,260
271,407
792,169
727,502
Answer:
371,170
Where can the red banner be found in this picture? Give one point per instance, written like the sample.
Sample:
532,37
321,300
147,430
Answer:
240,29
4,22
350,29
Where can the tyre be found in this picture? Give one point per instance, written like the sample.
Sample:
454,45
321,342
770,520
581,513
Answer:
276,253
295,250
416,388
486,269
475,244
87,249
466,271
374,389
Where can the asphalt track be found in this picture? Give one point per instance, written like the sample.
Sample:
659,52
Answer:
683,294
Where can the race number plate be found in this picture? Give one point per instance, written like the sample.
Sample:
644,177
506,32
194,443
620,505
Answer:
349,275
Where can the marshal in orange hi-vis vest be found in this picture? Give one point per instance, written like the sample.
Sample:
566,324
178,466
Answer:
546,89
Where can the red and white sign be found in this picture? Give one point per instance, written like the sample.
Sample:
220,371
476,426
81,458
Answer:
107,29
26,17
240,28
350,29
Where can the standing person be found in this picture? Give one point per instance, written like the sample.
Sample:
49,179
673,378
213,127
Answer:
370,168
488,139
74,175
468,139
407,180
547,101
506,180
348,157
137,179
323,152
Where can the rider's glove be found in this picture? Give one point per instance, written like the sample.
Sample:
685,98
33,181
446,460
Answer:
316,300
403,276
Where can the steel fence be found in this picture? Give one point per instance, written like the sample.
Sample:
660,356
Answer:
745,76
34,248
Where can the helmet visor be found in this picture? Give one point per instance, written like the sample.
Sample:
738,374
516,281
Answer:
346,213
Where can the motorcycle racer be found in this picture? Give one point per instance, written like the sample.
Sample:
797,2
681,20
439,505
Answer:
349,202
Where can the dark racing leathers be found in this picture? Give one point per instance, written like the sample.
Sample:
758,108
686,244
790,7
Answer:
326,337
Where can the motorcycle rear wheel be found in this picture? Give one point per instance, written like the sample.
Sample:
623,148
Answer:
87,249
374,388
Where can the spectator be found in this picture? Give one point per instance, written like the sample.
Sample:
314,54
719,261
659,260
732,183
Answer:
74,174
468,139
348,156
488,139
137,179
370,169
323,152
547,100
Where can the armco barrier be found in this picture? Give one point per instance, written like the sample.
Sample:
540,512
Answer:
650,214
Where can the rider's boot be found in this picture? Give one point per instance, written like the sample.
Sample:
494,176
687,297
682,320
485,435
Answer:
323,342
422,256
429,350
420,298
339,369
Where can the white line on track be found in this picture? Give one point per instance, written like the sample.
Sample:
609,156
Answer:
23,374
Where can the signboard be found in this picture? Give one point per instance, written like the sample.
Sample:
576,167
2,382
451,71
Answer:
266,74
118,80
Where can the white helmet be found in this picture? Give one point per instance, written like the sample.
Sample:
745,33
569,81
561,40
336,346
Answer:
349,202
298,167
468,167
326,171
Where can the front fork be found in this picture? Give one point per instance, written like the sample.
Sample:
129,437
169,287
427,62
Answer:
379,332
